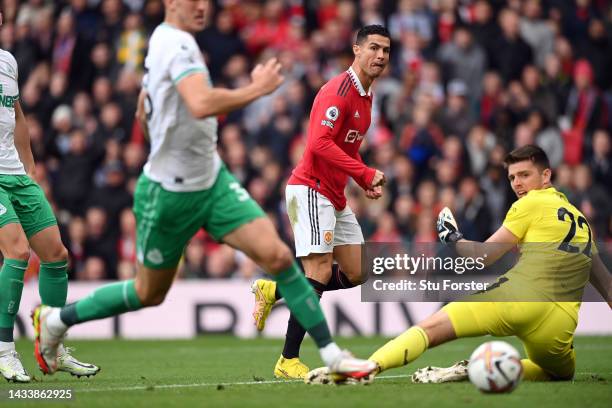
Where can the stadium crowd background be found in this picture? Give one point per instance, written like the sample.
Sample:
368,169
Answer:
468,81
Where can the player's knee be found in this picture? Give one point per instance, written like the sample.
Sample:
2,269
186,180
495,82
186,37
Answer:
567,374
152,298
20,251
57,254
149,295
277,258
355,277
438,329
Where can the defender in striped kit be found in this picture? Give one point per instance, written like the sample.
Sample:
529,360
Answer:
324,226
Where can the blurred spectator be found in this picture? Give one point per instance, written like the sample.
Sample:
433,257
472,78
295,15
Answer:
483,27
93,270
111,195
472,211
421,139
597,49
74,175
464,60
386,229
511,53
456,117
111,24
541,97
132,43
220,42
546,136
410,17
593,201
601,161
586,111
77,234
69,50
491,99
497,191
99,242
402,181
536,32
193,265
270,29
478,146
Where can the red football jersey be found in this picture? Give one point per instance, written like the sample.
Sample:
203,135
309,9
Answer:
339,119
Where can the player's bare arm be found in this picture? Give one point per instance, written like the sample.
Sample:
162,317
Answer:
22,141
203,100
601,279
141,115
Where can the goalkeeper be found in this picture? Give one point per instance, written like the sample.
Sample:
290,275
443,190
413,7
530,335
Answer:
540,215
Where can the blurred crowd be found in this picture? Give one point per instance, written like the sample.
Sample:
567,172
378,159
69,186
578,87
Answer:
468,81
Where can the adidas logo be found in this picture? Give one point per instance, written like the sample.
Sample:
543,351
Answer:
357,115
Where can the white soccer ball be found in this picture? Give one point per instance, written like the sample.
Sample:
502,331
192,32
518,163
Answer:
495,367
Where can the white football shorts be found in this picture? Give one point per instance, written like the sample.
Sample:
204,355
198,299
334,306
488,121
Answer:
317,226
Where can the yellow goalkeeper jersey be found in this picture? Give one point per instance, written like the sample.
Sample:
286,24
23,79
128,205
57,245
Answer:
555,248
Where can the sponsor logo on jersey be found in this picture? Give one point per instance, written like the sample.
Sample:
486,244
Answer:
328,237
332,113
7,101
353,136
327,123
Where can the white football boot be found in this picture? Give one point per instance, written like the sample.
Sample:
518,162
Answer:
67,363
11,367
436,375
345,370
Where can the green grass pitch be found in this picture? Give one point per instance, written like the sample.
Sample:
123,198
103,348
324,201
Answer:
225,371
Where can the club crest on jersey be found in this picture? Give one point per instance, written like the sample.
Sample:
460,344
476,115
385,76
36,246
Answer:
353,136
328,237
332,113
155,256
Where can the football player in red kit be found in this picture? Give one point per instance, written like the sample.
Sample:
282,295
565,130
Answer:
324,227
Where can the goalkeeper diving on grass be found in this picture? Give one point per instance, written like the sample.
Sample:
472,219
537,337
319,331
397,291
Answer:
546,328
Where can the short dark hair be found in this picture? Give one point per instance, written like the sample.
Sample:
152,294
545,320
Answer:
374,29
530,152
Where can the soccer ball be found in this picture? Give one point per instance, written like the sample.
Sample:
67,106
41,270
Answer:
495,367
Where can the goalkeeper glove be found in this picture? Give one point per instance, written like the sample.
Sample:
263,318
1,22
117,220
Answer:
448,232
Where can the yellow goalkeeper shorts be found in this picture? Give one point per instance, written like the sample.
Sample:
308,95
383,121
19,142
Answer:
545,328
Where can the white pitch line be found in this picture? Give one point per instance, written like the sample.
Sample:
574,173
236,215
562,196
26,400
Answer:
228,384
225,384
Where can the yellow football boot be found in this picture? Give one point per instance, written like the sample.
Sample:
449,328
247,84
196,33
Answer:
264,291
290,369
